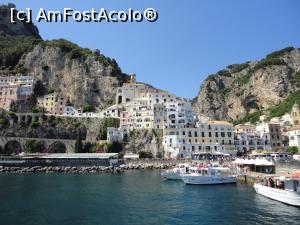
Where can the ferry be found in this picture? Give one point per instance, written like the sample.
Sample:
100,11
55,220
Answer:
208,175
174,174
283,189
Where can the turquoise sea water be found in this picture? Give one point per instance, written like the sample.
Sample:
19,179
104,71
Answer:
134,197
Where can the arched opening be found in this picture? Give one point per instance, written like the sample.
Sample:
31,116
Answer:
57,147
12,147
119,99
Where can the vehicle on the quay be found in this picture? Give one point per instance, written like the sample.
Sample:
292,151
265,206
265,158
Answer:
208,175
284,189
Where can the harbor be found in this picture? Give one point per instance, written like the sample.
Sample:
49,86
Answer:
136,197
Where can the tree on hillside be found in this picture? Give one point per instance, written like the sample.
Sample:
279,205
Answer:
114,147
39,89
33,146
292,150
78,144
144,154
107,122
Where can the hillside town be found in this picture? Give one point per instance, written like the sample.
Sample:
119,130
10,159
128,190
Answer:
139,106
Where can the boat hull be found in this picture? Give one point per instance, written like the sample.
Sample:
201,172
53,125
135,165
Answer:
285,196
171,176
205,180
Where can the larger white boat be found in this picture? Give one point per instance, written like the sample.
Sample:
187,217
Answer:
208,175
283,189
174,174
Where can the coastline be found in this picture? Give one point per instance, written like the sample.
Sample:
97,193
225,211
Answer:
131,165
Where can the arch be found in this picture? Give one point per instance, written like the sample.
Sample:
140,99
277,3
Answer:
57,147
12,147
119,99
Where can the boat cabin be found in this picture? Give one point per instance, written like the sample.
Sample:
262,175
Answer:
209,171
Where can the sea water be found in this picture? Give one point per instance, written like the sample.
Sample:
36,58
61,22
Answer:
132,197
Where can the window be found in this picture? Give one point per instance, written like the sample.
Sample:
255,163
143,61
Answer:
193,148
196,134
203,135
190,134
183,133
216,134
229,134
222,134
209,134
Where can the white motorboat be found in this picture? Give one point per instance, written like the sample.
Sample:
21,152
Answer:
174,174
208,175
283,189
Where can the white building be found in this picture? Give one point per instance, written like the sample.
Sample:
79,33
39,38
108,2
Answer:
245,142
141,106
117,134
212,136
294,137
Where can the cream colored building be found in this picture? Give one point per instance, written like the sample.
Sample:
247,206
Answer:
212,136
295,114
53,103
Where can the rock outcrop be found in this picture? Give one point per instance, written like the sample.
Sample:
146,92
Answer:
241,89
84,80
17,28
82,75
146,141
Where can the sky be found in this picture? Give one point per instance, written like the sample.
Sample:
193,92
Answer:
190,40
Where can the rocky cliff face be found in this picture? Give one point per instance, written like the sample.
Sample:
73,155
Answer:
18,28
82,75
84,80
241,89
147,141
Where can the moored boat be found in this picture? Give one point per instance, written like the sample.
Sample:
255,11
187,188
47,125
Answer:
174,174
283,189
208,175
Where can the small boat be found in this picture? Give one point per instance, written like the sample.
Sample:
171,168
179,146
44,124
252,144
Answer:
284,189
174,174
208,175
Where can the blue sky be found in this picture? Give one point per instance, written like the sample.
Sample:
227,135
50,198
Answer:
190,40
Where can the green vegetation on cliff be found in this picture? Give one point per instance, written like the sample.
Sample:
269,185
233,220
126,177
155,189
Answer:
250,117
107,122
76,52
285,106
11,50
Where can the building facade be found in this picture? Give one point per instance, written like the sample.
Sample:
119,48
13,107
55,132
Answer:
271,132
212,136
294,137
13,88
53,103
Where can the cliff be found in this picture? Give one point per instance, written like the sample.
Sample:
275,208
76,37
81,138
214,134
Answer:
82,75
18,28
86,77
244,89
